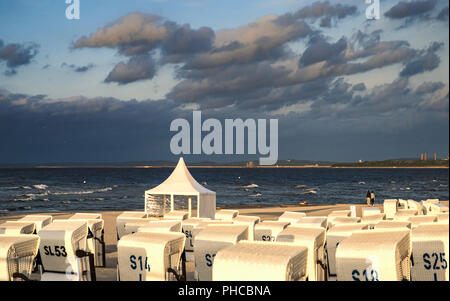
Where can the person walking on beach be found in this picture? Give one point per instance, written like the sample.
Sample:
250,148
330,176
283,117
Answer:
368,197
372,198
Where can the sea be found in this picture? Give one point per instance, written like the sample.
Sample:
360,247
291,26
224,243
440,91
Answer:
103,189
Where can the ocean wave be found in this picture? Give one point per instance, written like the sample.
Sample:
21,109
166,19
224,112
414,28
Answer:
40,186
361,183
82,191
301,186
310,191
255,195
251,186
26,187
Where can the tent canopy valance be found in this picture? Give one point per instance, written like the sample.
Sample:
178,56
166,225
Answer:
181,183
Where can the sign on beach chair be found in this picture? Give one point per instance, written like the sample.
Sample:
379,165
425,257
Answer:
161,226
260,261
226,214
144,256
313,221
314,240
390,207
421,219
376,255
373,219
124,217
430,253
368,211
17,227
291,217
176,215
17,254
40,221
187,227
64,252
212,239
390,224
95,238
340,220
249,221
268,230
333,237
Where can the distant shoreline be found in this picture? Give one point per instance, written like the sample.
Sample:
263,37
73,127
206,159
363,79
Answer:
220,166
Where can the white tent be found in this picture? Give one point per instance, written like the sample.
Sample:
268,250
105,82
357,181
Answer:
180,185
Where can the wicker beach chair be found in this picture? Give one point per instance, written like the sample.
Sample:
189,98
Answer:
402,204
80,215
291,216
340,213
314,240
368,211
404,214
209,241
390,208
226,214
376,255
261,261
17,254
442,217
161,226
430,252
176,215
124,217
40,221
187,227
64,252
17,227
415,205
340,220
96,236
372,220
389,224
249,221
334,236
422,219
144,256
268,230
133,224
313,221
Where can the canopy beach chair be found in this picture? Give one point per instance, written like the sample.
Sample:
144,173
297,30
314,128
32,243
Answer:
389,224
313,221
368,211
40,221
428,208
209,241
133,225
390,208
127,216
314,240
176,215
373,219
226,214
375,255
422,219
145,256
442,217
430,253
340,213
161,226
291,216
187,227
17,227
86,216
249,221
261,261
333,237
415,205
402,204
96,236
64,252
340,220
268,230
404,214
17,254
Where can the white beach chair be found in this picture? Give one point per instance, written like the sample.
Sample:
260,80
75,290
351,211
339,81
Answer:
63,251
428,209
145,256
402,204
291,216
430,253
260,261
422,219
40,221
17,254
373,219
124,217
389,224
341,220
368,211
17,227
438,208
187,227
390,208
176,215
313,221
442,217
340,213
133,224
209,241
334,236
226,214
376,255
95,237
80,215
404,214
415,205
161,226
249,221
314,240
268,230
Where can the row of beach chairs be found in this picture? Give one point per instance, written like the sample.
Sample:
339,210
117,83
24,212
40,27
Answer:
409,244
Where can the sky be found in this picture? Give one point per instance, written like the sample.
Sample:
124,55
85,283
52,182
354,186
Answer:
106,87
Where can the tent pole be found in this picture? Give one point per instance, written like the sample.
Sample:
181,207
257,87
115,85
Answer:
172,203
189,206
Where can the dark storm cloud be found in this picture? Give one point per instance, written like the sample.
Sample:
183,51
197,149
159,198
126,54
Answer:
410,9
323,51
78,69
326,12
16,55
426,61
443,14
359,87
137,68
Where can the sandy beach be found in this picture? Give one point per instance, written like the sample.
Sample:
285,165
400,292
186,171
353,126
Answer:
266,213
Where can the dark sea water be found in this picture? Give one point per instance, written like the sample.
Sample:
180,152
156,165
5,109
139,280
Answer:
83,189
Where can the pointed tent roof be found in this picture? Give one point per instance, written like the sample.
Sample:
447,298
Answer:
180,182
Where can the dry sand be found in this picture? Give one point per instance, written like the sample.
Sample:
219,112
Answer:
266,213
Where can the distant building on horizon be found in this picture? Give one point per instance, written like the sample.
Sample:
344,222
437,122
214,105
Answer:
250,164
